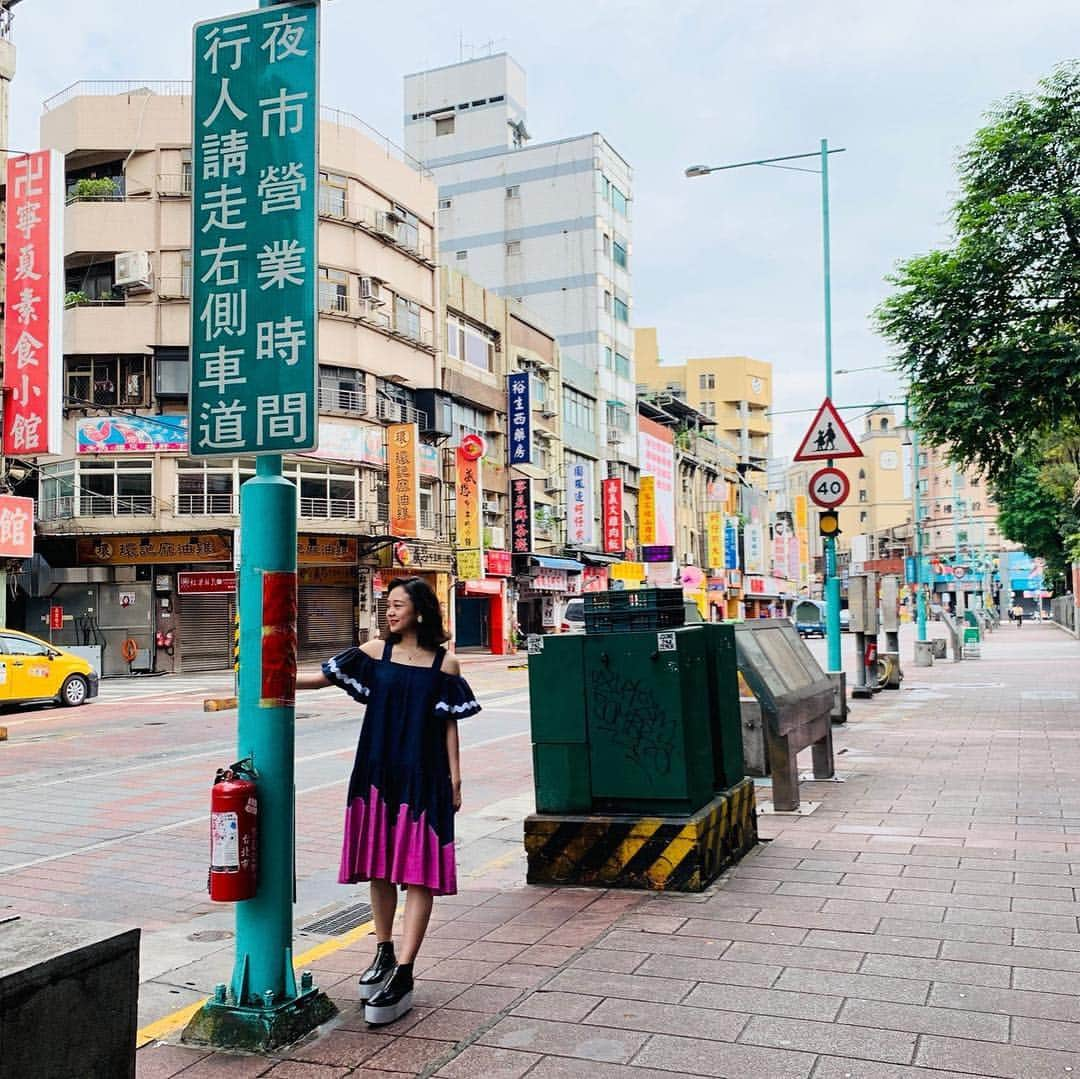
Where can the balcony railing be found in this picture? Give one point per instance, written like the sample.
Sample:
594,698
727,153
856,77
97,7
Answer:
174,288
57,509
174,184
333,301
115,505
400,412
211,505
341,509
332,399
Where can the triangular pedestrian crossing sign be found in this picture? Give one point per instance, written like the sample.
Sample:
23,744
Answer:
828,437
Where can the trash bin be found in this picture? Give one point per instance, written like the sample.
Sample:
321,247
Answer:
938,646
924,653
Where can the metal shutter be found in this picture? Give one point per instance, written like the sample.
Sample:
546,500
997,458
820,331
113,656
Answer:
206,632
327,618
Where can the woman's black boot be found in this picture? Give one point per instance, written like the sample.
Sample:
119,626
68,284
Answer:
382,966
394,999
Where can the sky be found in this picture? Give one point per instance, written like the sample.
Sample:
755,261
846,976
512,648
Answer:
729,264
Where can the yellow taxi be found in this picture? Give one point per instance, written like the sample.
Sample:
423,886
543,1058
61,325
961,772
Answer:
34,670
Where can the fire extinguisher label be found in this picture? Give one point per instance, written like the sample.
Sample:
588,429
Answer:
224,843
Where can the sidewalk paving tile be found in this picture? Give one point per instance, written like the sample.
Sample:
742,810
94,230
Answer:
920,1019
565,1039
1005,1061
487,1061
694,1056
707,1023
870,1043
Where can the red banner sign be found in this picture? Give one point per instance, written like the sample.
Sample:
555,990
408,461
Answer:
33,281
613,516
202,584
56,618
16,527
498,563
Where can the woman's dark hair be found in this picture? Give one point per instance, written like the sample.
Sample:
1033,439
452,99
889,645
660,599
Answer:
429,630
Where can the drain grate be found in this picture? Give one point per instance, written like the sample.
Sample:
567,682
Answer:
333,925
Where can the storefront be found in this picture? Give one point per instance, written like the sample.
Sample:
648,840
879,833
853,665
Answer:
544,585
327,595
481,607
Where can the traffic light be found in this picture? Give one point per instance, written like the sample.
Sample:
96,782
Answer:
829,523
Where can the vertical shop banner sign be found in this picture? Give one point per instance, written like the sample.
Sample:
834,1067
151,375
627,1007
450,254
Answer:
754,548
34,290
793,557
657,459
518,408
802,531
469,534
255,185
579,508
646,507
731,543
16,527
403,451
612,492
714,539
521,516
779,550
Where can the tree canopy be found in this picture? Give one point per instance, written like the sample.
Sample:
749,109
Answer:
986,331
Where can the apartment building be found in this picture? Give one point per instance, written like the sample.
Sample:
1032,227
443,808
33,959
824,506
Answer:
733,391
488,338
547,224
137,537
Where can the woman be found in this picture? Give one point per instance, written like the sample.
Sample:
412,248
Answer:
406,781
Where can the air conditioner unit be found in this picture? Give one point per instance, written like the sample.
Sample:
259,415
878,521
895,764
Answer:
558,514
548,414
369,290
133,272
554,487
388,226
491,507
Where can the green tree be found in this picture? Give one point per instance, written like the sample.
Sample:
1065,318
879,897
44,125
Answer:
986,330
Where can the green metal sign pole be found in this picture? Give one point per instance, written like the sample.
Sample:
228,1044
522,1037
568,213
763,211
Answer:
832,581
253,363
920,592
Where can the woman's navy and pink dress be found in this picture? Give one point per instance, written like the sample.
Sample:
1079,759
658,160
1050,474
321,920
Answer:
399,820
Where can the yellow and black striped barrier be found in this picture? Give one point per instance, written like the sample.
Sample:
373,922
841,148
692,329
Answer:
677,854
236,642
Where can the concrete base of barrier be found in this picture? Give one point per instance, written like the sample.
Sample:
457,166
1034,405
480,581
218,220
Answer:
677,854
840,703
924,653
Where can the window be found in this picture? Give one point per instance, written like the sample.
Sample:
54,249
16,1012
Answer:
333,291
427,507
21,646
540,392
609,358
618,253
444,125
326,491
445,204
205,488
862,473
923,460
976,506
707,382
407,317
105,381
619,201
607,245
513,247
332,194
171,371
513,192
607,301
342,389
862,495
467,420
620,309
57,501
185,273
862,516
622,365
121,487
461,255
618,415
470,344
579,410
185,171
709,409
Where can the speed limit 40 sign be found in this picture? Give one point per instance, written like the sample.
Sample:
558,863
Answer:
829,487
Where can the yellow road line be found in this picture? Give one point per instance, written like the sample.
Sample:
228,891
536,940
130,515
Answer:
162,1028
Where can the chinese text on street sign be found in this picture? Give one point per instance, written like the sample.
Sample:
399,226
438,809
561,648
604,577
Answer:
521,514
16,527
612,491
33,283
254,262
403,475
579,497
469,524
518,412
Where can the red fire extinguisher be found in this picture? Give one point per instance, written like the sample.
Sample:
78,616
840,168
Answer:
234,833
870,655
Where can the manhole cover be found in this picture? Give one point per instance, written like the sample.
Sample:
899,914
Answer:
333,925
208,936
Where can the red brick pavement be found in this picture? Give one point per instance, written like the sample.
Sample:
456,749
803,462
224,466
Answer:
920,924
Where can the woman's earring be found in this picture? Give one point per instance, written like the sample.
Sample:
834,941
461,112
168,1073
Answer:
419,618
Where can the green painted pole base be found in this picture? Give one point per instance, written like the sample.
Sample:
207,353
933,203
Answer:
258,1029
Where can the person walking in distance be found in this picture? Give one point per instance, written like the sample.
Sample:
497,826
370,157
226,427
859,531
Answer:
406,781
1018,615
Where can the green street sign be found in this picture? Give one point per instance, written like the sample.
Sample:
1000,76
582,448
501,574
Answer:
255,187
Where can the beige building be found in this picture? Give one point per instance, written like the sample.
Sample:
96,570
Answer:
122,514
958,514
733,391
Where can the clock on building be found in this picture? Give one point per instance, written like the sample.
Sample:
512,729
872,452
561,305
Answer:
888,460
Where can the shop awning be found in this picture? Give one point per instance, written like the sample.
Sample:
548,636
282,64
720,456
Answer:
571,565
595,558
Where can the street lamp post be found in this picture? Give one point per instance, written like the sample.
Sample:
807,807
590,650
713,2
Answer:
832,581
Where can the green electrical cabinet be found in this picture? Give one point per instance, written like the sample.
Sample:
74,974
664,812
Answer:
559,732
638,722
